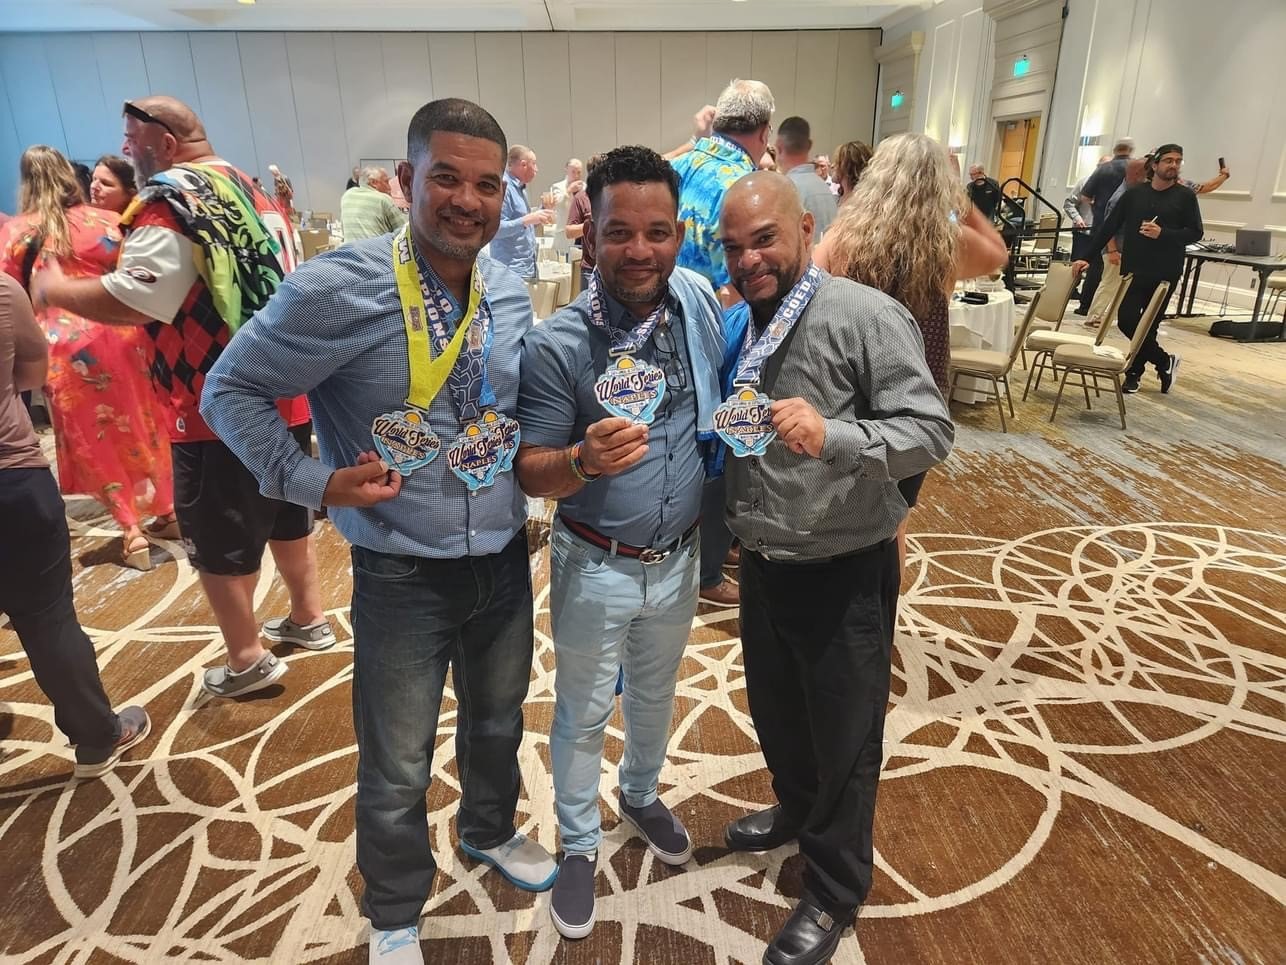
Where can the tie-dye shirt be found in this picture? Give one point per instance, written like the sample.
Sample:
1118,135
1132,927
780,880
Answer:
705,175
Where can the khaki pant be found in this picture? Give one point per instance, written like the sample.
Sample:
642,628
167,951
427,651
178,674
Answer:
1107,287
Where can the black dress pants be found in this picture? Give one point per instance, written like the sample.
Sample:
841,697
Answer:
1089,283
1131,311
35,590
817,641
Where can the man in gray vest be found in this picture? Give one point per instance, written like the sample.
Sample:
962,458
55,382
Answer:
854,409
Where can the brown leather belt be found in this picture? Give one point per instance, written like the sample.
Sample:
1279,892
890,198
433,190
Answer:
646,555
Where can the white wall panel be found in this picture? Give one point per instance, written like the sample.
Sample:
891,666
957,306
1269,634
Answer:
453,59
683,85
10,151
317,103
727,57
359,61
90,126
855,87
408,84
216,61
593,94
772,60
266,74
502,83
25,69
816,69
323,140
638,88
168,58
122,75
549,104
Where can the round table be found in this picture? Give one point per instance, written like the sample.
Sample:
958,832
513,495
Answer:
989,326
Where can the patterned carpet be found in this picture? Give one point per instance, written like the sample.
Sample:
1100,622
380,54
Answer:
1083,751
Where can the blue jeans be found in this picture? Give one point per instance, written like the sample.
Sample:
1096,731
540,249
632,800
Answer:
412,619
611,612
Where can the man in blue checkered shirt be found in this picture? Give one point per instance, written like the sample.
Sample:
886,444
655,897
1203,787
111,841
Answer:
440,572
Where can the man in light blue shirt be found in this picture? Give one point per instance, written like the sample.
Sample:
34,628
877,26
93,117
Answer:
440,571
624,568
515,242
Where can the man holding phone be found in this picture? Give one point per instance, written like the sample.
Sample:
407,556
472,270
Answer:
1157,219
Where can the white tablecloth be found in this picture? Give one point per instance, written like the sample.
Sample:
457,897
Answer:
989,326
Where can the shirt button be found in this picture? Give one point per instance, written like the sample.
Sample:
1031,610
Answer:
755,504
473,532
830,461
760,543
671,457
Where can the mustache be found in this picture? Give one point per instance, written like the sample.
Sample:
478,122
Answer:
452,211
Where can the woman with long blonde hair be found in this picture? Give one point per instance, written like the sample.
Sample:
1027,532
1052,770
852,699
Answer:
908,229
99,389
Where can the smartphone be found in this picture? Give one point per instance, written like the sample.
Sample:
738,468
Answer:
1222,164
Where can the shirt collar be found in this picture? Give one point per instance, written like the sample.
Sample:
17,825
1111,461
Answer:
721,146
810,169
620,315
512,179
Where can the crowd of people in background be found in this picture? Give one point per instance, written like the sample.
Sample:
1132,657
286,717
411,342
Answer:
755,375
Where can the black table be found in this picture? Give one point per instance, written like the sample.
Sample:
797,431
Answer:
1263,265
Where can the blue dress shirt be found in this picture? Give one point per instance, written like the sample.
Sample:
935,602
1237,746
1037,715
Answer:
654,501
515,243
334,329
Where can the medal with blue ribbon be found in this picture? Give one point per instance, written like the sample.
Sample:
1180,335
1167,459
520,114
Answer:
630,388
438,357
744,419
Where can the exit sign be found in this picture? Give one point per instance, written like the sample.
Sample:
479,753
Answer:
1021,66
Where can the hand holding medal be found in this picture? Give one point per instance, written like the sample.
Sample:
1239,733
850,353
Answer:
365,484
800,426
613,445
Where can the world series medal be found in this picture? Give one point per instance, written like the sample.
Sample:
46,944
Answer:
477,455
404,440
744,422
632,389
509,434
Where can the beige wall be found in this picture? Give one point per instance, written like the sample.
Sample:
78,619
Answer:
317,103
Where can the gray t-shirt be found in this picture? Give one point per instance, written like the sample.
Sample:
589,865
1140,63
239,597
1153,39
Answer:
857,356
816,196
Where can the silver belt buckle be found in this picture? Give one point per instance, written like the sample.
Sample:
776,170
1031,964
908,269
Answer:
650,556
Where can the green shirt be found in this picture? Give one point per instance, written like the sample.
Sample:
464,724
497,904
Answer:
367,213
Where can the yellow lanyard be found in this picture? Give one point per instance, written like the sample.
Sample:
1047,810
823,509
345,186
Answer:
428,374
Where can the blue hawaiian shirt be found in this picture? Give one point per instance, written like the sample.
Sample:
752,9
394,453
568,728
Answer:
705,175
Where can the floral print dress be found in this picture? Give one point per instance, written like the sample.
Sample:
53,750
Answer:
105,414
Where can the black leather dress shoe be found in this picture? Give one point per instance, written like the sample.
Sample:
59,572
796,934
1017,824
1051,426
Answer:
809,937
760,831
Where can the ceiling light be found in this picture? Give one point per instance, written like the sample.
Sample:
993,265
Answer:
248,3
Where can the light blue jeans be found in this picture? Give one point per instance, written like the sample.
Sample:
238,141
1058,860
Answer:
608,613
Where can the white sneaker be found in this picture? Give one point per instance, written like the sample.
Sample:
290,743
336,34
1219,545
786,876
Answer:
401,946
522,861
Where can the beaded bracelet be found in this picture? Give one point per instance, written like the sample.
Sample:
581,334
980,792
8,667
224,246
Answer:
578,470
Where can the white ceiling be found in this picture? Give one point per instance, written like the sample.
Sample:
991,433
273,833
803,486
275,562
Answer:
27,15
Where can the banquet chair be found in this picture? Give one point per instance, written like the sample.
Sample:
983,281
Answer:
1099,361
994,366
1044,341
1054,296
543,295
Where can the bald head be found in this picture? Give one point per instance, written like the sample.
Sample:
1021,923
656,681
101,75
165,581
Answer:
767,236
174,114
161,131
1136,171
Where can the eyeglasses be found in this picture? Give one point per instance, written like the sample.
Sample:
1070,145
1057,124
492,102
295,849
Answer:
136,112
676,376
